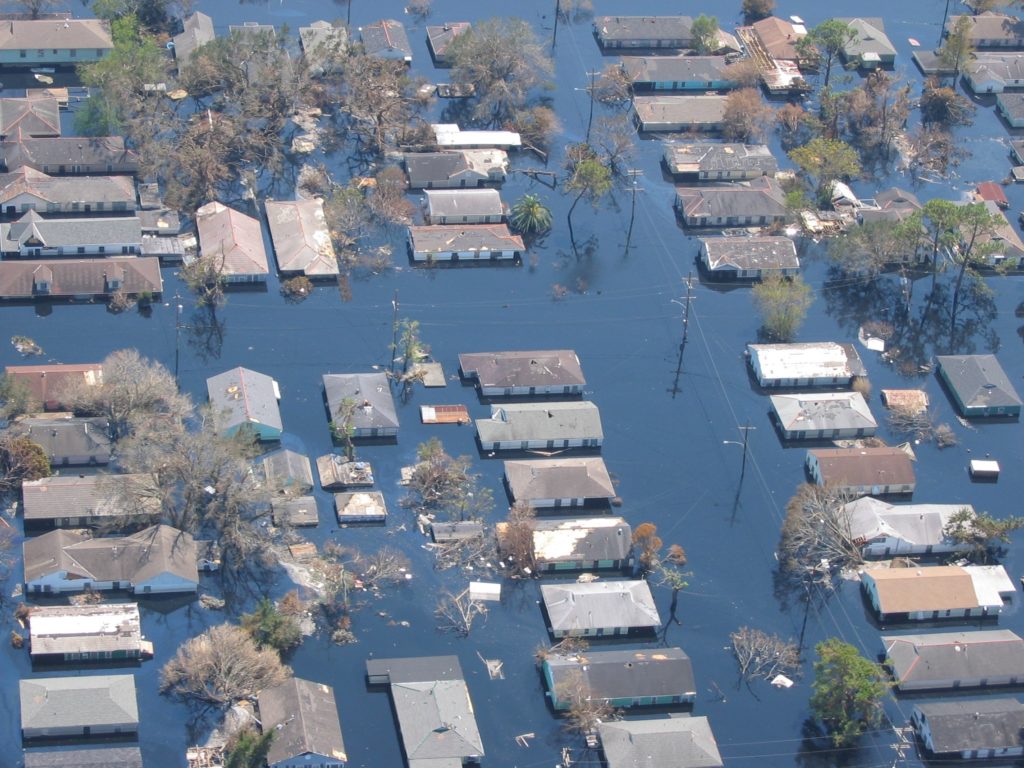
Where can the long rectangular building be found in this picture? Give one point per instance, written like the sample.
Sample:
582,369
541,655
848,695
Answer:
66,633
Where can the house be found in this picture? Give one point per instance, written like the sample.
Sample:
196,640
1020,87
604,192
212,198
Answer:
678,73
559,483
465,206
748,258
70,707
464,242
63,42
862,471
600,608
713,161
28,118
456,168
323,44
372,406
303,716
242,398
459,530
360,507
48,383
25,189
450,136
979,385
739,204
252,30
1011,107
679,114
337,472
386,39
70,155
296,512
975,729
806,364
991,192
991,30
86,501
869,47
823,416
197,31
80,278
525,426
936,592
434,711
994,72
955,660
1004,246
102,757
577,544
524,373
235,241
156,560
34,237
682,742
644,31
286,470
73,633
893,204
778,37
71,441
439,37
302,241
908,400
630,678
882,529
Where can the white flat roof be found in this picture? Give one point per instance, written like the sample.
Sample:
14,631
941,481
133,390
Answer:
813,360
991,583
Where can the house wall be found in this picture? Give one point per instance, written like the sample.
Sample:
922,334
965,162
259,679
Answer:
582,565
107,249
78,730
678,127
79,459
262,432
591,632
816,381
640,86
517,445
729,221
165,583
569,389
87,169
830,434
1002,410
1016,121
491,218
245,278
309,760
962,683
483,255
30,57
896,546
375,432
26,202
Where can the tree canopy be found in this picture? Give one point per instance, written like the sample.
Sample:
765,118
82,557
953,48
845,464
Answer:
705,34
825,41
783,304
824,161
847,691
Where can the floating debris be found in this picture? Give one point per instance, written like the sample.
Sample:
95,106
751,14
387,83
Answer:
494,669
781,681
26,346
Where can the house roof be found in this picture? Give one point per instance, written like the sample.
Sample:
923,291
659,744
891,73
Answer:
989,26
415,669
232,236
937,588
978,724
61,629
628,673
372,394
915,400
66,190
991,190
894,204
806,360
448,238
47,382
287,468
654,28
360,504
67,150
679,110
302,241
571,478
569,540
386,38
29,118
97,496
450,135
869,37
32,230
778,37
101,757
136,558
750,253
22,279
979,380
864,466
540,421
1001,67
252,28
304,717
709,157
655,69
197,31
464,202
300,510
810,412
16,34
759,197
70,702
600,604
917,524
321,39
917,660
682,742
425,167
527,368
242,396
70,437
437,722
440,36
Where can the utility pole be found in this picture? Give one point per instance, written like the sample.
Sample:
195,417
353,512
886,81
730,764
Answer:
590,120
554,36
686,329
177,334
746,433
942,29
633,173
394,332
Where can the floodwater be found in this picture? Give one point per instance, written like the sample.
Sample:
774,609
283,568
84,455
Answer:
672,427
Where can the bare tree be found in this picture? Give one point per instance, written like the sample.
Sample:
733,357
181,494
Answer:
567,646
763,656
388,202
516,538
586,711
816,535
385,567
457,612
20,459
442,483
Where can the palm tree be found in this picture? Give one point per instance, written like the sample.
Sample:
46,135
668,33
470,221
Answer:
530,216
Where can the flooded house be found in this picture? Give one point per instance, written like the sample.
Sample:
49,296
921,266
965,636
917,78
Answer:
526,426
559,483
1011,107
464,206
979,386
302,241
464,243
235,241
994,72
386,39
863,471
197,31
577,544
245,399
823,415
748,258
29,42
761,202
34,237
524,373
679,114
805,364
100,757
713,161
29,118
615,32
679,740
337,472
87,501
360,507
71,441
322,44
24,189
678,73
936,592
286,470
303,715
80,279
156,560
970,730
979,658
990,30
451,136
69,155
868,46
52,707
440,36
600,608
373,411
623,679
87,633
434,711
48,383
882,529
296,512
456,169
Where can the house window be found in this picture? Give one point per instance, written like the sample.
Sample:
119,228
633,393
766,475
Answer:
73,53
22,53
81,249
40,52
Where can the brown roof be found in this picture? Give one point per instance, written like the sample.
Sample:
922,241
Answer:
237,238
29,117
939,588
778,37
67,189
302,242
864,466
60,33
79,277
45,382
915,400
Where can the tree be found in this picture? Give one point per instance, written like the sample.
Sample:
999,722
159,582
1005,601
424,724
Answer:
204,276
933,150
388,202
36,8
21,459
746,117
587,176
378,97
221,666
940,219
271,628
536,126
614,86
847,691
457,612
530,216
16,398
763,656
343,425
152,14
942,105
868,248
705,35
796,125
758,9
782,304
825,41
384,568
816,536
442,483
647,545
825,161
980,530
585,711
249,749
875,112
516,536
957,48
977,233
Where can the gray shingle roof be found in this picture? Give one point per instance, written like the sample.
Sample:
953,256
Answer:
68,150
654,69
653,28
917,524
386,38
528,368
25,118
869,37
54,33
449,238
287,469
810,412
600,604
197,31
917,660
75,437
242,396
541,421
102,757
66,190
302,242
981,724
32,230
656,111
571,478
760,197
709,157
304,716
750,253
979,380
627,674
464,202
680,742
96,496
321,40
372,394
65,702
436,719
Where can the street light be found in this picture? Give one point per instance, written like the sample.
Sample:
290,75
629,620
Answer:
746,433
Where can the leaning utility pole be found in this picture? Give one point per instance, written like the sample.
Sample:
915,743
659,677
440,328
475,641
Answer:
177,334
686,330
394,332
633,173
590,120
